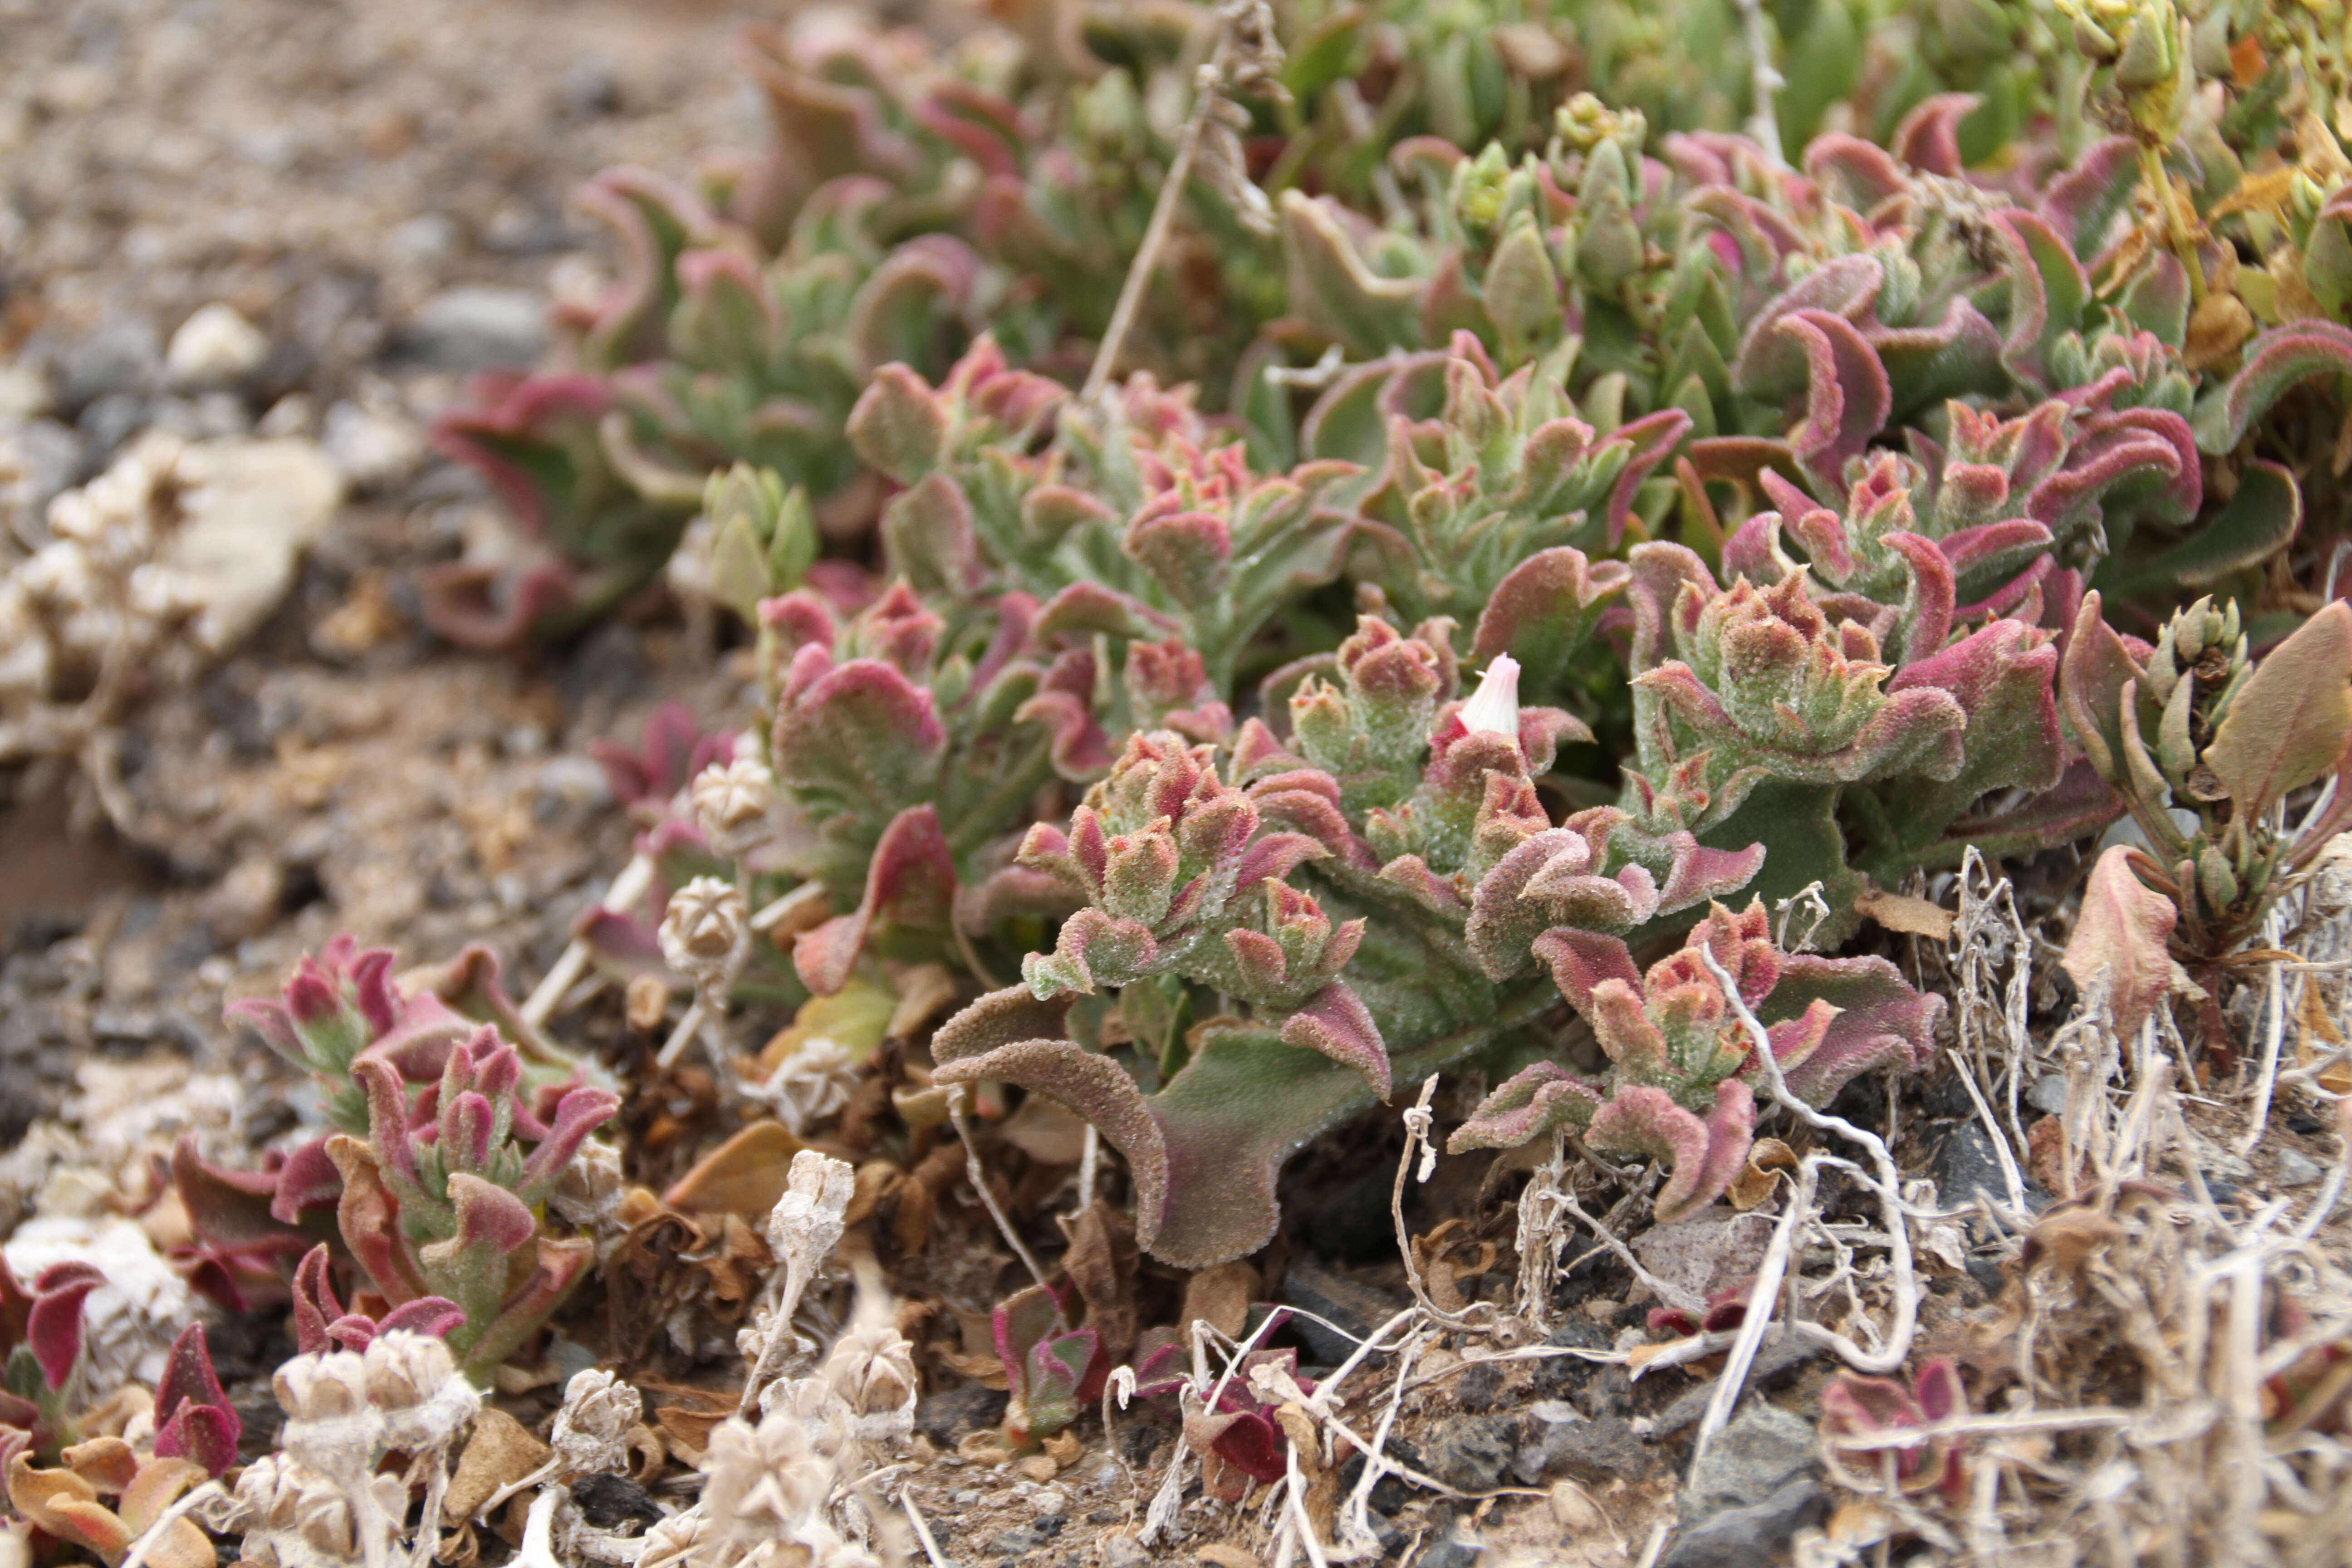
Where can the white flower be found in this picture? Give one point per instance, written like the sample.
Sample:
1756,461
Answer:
1495,706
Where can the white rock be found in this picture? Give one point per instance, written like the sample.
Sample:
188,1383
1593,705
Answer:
2048,1094
254,506
372,448
24,393
215,345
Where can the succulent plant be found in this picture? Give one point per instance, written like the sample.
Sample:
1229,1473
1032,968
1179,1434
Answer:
1683,1065
2205,743
1362,895
441,1199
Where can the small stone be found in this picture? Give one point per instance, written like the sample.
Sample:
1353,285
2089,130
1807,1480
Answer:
1603,1449
24,393
1475,1390
1352,1306
2048,1094
2298,1170
1965,1164
37,460
124,355
615,1502
1763,1449
1121,1551
214,347
1744,1537
589,87
1051,1499
109,420
475,327
948,1414
375,450
423,242
244,904
1453,1549
1013,1542
968,1498
1469,1453
1710,1251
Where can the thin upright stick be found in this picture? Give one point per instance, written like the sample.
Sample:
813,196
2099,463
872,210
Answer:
1889,1183
988,1199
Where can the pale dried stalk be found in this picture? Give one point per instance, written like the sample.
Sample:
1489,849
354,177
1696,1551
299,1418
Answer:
1211,84
627,888
1889,1183
1760,1296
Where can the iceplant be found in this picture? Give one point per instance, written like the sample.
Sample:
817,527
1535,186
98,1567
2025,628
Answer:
443,1200
1341,911
1682,1067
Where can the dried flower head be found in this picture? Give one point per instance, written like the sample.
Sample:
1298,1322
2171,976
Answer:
733,805
590,1434
706,933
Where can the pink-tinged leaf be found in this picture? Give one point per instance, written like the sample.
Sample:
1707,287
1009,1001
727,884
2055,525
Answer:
194,1419
2093,674
490,1220
432,1315
579,1112
1185,552
2119,949
910,880
2081,205
1537,1100
2293,718
1336,1023
1547,881
308,1180
1847,395
368,1219
53,1328
2275,362
1860,174
1929,138
1582,962
1775,365
1939,1391
2004,677
1653,438
860,730
1206,1151
927,532
1064,705
1706,1155
1879,1020
1000,1018
2047,292
899,424
1083,608
1857,1406
315,1307
1276,855
561,1266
